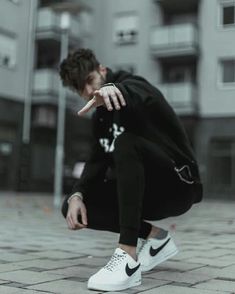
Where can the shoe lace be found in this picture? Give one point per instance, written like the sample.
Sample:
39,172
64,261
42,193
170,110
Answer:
114,261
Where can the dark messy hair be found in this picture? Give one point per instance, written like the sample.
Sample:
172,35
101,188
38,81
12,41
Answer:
75,68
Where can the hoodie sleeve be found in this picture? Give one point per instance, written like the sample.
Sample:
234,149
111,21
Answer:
135,92
95,168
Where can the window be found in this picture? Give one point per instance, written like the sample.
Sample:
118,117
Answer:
228,14
172,73
44,116
228,71
7,51
125,29
222,164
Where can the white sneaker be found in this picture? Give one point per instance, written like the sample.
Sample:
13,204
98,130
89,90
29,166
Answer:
140,244
155,251
121,272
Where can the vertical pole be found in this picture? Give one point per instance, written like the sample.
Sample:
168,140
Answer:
29,71
59,159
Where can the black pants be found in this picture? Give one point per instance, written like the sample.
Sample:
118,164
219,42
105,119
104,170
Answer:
146,188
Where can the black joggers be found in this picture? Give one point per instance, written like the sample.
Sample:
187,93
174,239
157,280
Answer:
146,188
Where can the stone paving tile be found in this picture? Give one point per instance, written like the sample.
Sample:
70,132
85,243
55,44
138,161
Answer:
149,284
9,267
92,262
3,282
214,253
97,253
211,261
10,290
182,255
209,271
228,257
168,289
228,272
217,285
183,277
28,277
75,271
63,287
178,266
56,254
15,257
44,263
117,292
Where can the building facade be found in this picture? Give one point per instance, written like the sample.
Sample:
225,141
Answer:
30,51
185,48
49,37
14,84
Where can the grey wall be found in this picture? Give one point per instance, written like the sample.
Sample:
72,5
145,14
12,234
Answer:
14,20
138,54
215,42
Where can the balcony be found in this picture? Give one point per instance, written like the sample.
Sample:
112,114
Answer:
49,25
182,97
46,85
174,6
174,40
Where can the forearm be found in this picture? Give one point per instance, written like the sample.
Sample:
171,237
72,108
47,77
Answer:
93,171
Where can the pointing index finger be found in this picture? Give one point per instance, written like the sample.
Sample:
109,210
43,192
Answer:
90,104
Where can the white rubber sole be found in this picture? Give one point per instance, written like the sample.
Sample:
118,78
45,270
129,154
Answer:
169,251
135,281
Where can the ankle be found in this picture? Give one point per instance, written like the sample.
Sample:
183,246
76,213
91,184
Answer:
131,250
155,231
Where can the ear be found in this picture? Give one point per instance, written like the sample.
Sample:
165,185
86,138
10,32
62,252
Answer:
102,70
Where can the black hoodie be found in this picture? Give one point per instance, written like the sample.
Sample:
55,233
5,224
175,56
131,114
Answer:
146,114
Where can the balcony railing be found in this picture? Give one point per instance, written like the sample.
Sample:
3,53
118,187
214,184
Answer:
174,40
46,81
46,85
179,5
49,24
181,96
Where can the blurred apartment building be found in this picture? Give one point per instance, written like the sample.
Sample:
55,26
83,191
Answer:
185,48
30,47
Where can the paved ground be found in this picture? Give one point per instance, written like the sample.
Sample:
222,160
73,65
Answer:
38,254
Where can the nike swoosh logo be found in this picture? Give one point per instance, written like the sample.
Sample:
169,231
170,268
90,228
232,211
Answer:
131,271
154,252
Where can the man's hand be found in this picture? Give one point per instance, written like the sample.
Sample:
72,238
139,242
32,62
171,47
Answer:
76,207
109,96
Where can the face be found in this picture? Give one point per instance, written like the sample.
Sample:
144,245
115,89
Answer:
94,81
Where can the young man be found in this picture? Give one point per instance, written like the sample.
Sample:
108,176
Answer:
141,168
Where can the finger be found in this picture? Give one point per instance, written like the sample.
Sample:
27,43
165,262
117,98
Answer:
90,104
107,101
76,224
114,100
120,97
69,222
84,216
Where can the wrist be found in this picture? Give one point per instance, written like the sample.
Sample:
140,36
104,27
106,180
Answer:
77,196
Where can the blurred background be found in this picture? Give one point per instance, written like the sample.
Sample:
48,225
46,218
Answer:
185,48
